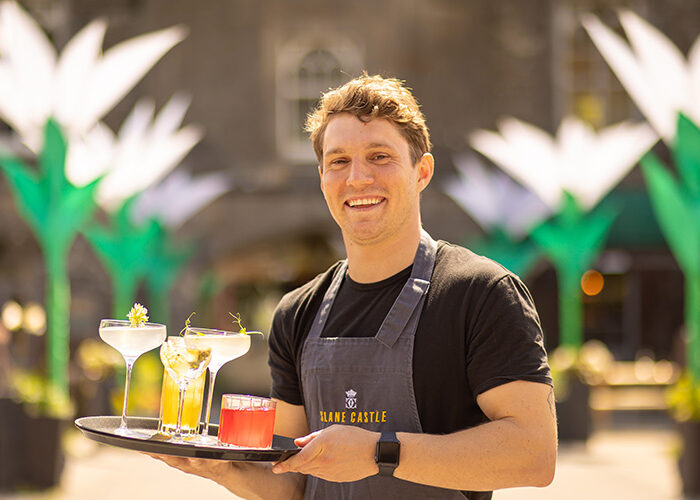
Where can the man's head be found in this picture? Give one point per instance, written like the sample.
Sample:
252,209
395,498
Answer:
367,98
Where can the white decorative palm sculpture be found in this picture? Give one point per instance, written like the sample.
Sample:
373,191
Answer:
177,198
504,209
76,88
660,80
571,172
578,160
493,199
141,154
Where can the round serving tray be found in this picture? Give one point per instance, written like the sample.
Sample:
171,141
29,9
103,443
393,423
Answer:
102,429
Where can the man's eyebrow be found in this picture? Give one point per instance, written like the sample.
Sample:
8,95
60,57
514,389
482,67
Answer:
340,150
334,151
380,145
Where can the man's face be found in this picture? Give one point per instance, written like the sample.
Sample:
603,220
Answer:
370,185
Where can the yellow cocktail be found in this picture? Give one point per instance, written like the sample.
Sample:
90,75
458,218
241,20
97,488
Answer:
191,410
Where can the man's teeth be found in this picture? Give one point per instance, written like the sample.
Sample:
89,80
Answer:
364,201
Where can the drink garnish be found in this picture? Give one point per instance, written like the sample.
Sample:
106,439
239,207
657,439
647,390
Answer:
188,325
237,321
137,316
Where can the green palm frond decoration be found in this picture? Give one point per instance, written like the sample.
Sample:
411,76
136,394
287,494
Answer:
55,209
676,203
572,240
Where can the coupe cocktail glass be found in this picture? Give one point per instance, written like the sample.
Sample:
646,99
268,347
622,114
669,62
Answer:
131,342
225,346
185,362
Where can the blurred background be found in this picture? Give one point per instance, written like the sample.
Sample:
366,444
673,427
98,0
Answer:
251,72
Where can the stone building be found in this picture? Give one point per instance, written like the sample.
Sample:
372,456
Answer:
254,69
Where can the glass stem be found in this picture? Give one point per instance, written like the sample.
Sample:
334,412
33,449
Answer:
182,388
129,366
210,396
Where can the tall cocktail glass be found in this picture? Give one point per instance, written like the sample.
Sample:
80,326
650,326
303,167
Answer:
131,342
185,362
225,346
191,409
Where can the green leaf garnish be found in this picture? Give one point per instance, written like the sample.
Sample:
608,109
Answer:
188,324
237,321
137,316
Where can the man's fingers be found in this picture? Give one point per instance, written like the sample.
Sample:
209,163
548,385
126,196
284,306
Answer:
304,440
298,462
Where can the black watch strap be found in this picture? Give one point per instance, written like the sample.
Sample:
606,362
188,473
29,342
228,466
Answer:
387,454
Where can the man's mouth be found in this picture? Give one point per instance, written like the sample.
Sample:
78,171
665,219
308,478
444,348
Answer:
364,202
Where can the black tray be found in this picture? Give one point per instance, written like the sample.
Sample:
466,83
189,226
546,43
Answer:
101,429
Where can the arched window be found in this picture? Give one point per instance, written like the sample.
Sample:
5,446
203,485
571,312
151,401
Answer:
304,71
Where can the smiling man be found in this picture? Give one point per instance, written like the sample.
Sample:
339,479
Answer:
414,368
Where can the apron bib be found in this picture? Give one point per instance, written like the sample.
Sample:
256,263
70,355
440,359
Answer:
368,382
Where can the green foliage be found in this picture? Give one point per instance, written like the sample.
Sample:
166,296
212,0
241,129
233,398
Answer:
39,396
683,399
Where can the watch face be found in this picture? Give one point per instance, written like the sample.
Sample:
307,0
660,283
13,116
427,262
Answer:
388,453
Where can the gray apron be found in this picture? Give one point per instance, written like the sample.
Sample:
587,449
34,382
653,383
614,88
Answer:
368,382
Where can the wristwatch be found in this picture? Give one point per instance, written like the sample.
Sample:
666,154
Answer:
387,454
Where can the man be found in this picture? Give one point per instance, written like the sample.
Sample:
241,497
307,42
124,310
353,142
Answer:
413,369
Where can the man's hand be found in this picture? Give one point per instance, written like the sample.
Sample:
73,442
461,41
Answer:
337,453
209,469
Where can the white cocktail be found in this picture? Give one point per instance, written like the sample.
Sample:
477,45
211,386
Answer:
131,342
225,346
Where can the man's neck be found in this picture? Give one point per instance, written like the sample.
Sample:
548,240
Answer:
370,263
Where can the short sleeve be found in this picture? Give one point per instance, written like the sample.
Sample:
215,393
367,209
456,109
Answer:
285,380
505,341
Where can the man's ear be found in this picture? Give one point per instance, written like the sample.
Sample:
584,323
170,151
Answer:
426,166
320,175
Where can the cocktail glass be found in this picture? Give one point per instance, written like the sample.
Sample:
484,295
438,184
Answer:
246,421
184,361
225,346
131,342
191,409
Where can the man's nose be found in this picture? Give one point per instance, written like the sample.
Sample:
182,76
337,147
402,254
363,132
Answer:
359,173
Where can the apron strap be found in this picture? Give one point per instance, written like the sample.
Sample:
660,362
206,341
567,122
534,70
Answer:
328,298
406,304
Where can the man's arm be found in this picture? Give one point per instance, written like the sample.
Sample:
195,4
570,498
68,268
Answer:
516,448
253,480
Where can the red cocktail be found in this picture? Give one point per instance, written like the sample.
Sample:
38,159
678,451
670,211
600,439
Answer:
246,421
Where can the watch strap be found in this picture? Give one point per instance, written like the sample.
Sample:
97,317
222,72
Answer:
387,455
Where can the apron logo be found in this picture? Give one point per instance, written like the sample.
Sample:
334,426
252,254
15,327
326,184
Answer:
350,400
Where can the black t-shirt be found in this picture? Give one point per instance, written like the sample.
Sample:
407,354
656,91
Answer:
478,330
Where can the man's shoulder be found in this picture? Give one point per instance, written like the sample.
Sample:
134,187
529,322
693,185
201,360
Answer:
457,264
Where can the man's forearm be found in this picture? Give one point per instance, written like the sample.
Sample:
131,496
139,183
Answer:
246,480
495,455
516,448
255,481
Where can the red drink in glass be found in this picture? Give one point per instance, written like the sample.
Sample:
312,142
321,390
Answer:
246,421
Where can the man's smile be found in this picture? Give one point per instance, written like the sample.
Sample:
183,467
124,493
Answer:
366,202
